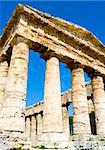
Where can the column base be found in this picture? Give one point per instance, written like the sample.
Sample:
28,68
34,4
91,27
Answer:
100,137
86,145
53,140
83,137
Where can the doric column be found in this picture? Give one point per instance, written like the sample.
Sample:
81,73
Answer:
15,91
3,77
65,118
39,123
52,97
81,123
28,127
99,103
33,128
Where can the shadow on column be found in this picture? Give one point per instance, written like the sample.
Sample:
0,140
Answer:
70,113
92,123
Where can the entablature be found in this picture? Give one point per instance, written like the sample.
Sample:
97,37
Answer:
52,36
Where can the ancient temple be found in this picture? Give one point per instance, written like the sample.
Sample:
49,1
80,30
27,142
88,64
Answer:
46,125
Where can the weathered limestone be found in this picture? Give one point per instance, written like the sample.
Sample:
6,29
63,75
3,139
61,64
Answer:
37,108
15,91
57,40
66,100
99,103
52,98
39,124
3,77
65,118
90,106
81,122
28,127
33,128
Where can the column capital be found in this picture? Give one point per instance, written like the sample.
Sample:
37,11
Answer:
46,55
94,73
75,65
3,58
40,113
20,39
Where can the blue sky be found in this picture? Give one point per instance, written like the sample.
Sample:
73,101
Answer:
90,15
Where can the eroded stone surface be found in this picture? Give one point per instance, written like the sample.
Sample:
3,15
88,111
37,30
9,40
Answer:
52,99
33,129
28,127
81,121
13,112
99,103
56,40
3,77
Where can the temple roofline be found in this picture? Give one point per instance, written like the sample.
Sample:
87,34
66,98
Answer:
65,26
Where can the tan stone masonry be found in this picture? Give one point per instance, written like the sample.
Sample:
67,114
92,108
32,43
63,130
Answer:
52,98
15,90
81,121
28,127
39,124
57,41
99,102
36,110
65,119
33,128
3,76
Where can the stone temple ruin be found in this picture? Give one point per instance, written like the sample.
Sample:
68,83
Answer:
34,115
46,125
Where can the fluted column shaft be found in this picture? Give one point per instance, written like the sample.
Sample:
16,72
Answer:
15,91
3,77
39,124
81,121
33,128
99,103
52,97
65,118
28,127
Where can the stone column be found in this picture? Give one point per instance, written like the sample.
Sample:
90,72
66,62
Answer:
52,97
65,118
33,128
39,124
15,91
28,127
90,106
3,77
81,123
99,103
